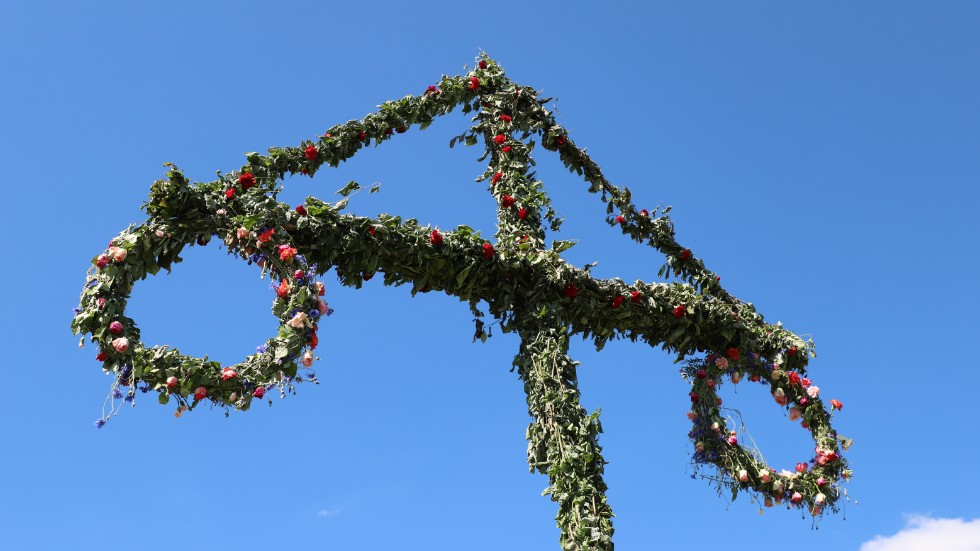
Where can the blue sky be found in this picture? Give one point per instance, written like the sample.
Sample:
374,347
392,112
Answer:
822,158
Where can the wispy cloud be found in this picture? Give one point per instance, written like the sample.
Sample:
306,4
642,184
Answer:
327,512
935,534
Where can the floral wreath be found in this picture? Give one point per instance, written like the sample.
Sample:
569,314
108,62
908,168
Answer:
813,484
142,250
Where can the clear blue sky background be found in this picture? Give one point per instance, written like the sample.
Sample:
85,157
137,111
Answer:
823,159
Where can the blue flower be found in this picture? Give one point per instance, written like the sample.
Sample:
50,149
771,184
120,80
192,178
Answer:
100,423
314,313
76,310
129,397
116,393
261,348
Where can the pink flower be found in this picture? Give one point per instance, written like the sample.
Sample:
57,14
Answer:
764,476
171,381
732,440
116,328
298,321
259,392
200,393
100,302
160,234
813,391
820,499
102,261
821,481
321,306
286,253
780,397
242,233
736,377
117,253
228,373
797,497
307,359
743,475
722,363
802,467
795,414
691,415
121,344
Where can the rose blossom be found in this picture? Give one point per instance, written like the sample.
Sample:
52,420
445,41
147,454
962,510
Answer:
242,233
200,393
228,373
795,414
779,396
298,321
307,359
691,415
117,253
116,328
171,381
321,306
764,476
722,363
801,467
121,344
797,497
736,377
821,481
743,475
259,392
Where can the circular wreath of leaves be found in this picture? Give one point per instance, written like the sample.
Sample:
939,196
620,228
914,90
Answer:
142,250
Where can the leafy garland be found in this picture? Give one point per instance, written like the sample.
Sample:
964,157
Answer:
528,288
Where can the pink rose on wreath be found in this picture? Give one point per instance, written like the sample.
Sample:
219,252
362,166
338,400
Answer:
242,233
200,393
228,373
743,475
298,321
321,306
722,363
732,440
100,302
171,381
259,392
780,396
307,359
802,467
121,344
764,476
117,253
116,328
795,414
797,497
813,391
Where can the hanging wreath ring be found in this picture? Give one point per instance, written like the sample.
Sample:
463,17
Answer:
811,484
140,251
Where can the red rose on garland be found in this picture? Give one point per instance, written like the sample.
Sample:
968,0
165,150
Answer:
570,290
474,83
732,354
505,149
266,235
620,220
488,251
506,118
680,310
431,90
283,290
401,129
506,201
259,392
483,64
435,238
617,301
560,140
496,177
522,213
635,297
686,254
835,404
247,180
200,393
362,135
499,139
102,356
230,193
301,210
311,152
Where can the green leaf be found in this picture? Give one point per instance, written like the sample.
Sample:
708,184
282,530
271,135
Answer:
559,246
351,187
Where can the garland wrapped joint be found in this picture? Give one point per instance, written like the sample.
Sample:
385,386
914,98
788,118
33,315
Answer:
527,286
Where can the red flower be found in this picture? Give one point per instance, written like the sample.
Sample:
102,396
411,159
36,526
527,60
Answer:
366,276
791,351
522,214
488,251
694,396
102,261
286,253
802,467
200,393
505,149
362,135
228,373
283,290
435,238
680,310
474,83
314,340
301,210
320,289
496,177
116,328
388,131
483,64
230,193
311,152
560,140
506,201
499,139
620,220
794,378
835,404
635,296
298,274
259,392
247,180
372,231
431,90
701,374
171,381
102,356
266,235
506,118
617,301
686,254
644,213
570,290
732,354
401,129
